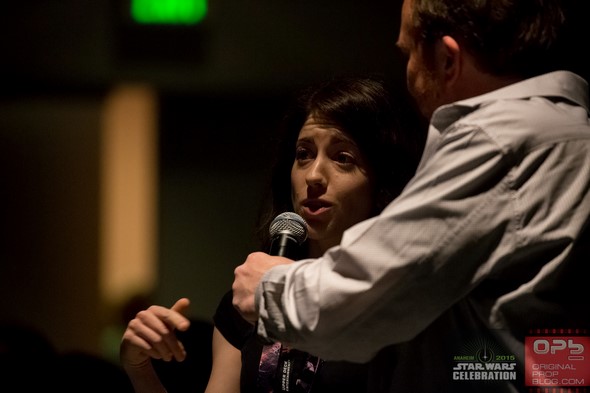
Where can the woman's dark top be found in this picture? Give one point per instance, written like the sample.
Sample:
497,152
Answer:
330,377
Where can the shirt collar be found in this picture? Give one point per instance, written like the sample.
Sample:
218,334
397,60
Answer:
564,84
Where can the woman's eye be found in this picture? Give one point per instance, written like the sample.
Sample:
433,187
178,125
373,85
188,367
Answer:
302,154
345,158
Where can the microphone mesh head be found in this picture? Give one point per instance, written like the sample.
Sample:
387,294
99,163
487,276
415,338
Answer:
289,222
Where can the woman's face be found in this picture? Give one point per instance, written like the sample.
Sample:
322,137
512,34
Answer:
330,183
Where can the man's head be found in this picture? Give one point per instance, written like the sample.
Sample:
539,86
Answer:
460,48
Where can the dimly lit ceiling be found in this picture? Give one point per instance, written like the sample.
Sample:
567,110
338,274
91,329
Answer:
252,46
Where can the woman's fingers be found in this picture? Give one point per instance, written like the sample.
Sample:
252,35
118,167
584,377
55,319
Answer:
152,333
156,326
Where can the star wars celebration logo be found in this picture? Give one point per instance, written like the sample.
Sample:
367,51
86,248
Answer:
483,360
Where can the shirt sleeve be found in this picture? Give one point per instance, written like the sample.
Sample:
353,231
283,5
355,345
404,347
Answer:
394,274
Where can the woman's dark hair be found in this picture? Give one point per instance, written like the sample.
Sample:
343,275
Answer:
385,126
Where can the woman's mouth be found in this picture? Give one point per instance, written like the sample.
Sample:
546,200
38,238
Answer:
315,207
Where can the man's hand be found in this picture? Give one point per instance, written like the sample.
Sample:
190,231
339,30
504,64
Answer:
247,278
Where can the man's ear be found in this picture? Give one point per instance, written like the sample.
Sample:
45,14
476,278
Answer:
451,53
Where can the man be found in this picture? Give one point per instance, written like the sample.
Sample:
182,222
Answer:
485,245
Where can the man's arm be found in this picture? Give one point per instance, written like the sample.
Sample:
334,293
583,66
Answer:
394,274
247,277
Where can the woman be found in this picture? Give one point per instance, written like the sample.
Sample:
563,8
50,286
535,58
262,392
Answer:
348,148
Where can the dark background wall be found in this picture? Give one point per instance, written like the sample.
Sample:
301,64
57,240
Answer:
221,89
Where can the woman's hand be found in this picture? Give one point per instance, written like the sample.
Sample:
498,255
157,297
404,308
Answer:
151,334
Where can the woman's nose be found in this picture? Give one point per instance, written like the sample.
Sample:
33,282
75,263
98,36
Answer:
316,175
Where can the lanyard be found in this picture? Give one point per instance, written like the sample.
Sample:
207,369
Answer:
286,370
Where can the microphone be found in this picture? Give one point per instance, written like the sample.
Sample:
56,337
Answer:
280,367
287,231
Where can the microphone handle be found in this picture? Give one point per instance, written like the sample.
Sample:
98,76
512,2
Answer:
284,245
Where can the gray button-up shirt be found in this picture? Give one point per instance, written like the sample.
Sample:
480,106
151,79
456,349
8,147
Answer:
499,199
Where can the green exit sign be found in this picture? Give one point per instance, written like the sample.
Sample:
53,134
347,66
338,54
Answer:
170,12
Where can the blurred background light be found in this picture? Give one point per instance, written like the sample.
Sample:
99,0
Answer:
182,12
